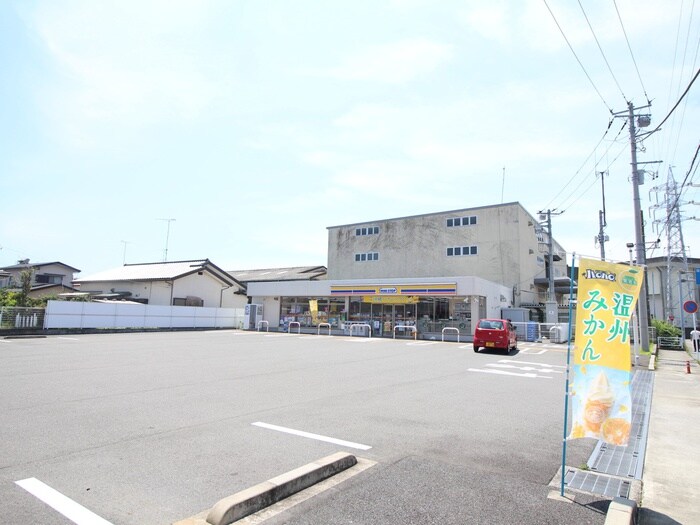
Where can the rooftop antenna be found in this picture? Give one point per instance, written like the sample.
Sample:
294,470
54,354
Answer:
125,243
503,183
167,238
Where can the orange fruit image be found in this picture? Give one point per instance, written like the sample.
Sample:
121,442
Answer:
577,431
616,430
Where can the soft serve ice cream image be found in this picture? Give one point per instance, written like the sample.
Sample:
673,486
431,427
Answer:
598,404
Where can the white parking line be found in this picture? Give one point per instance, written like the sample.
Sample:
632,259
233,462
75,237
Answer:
545,365
526,368
64,505
318,437
423,343
504,373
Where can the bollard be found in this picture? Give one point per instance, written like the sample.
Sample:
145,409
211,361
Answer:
687,367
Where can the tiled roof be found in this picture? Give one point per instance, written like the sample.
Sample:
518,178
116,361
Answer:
296,273
156,272
36,265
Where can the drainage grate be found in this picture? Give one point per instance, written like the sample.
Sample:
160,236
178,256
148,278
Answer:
613,467
628,461
595,483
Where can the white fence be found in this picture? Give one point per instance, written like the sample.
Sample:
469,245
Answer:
70,314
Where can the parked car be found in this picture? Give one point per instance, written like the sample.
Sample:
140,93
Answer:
498,334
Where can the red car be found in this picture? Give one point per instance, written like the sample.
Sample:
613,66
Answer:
495,333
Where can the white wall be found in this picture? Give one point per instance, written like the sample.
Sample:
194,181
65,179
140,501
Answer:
68,314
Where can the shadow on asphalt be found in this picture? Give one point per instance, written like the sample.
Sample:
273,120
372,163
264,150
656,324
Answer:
495,351
651,517
600,505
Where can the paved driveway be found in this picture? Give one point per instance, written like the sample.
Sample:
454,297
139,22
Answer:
150,428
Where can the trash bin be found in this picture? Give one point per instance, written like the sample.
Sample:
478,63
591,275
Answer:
531,332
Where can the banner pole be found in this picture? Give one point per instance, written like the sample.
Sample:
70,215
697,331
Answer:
568,369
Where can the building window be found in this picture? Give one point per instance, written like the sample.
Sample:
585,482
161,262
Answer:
461,250
48,279
461,221
371,230
370,256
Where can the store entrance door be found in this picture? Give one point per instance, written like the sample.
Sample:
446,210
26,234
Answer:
397,315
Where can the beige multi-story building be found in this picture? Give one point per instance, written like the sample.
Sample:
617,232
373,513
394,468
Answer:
503,244
432,271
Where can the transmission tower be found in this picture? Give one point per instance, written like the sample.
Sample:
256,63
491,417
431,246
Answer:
676,258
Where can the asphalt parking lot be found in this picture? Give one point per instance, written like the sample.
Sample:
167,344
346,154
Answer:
151,428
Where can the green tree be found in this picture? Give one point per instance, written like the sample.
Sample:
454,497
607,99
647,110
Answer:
25,279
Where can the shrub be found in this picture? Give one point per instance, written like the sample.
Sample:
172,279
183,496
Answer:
664,329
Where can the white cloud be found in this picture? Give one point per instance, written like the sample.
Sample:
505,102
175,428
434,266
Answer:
394,63
124,63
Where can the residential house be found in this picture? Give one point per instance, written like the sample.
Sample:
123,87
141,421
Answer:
177,283
48,278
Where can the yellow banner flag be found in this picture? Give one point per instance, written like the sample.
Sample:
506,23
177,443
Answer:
313,308
601,401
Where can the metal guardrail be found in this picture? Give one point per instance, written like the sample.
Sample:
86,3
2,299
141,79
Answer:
409,328
670,342
450,328
295,323
327,325
267,325
361,325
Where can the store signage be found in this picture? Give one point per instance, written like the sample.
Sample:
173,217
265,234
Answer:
399,289
390,299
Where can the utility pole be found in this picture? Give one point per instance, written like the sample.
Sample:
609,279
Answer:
167,238
602,238
551,308
643,121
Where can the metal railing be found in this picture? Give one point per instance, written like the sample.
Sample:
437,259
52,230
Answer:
412,329
363,326
21,318
326,325
450,329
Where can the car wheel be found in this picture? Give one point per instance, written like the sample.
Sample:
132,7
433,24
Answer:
476,348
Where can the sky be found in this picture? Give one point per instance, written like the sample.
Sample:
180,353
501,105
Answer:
240,130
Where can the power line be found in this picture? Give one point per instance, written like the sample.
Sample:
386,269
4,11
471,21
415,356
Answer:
600,48
576,56
580,195
631,53
646,136
595,166
582,165
682,115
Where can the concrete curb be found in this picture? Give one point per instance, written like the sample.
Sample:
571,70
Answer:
264,494
621,511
